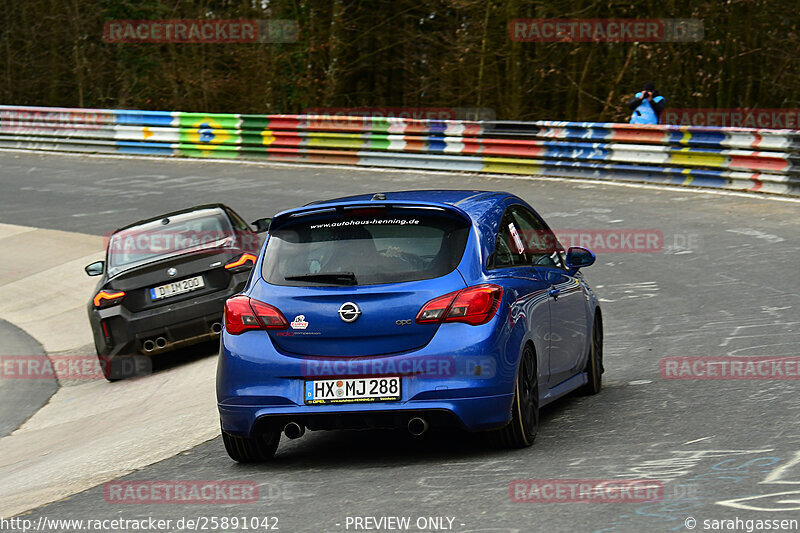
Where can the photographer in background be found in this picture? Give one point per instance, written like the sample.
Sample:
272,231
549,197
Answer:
646,105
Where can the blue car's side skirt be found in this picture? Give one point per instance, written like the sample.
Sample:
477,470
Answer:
563,388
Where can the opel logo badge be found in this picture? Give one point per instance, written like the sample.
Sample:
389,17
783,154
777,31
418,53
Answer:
349,312
172,271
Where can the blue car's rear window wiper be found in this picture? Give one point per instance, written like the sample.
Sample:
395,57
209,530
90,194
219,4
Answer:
343,278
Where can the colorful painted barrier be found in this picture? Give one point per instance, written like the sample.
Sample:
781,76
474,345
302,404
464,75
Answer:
732,158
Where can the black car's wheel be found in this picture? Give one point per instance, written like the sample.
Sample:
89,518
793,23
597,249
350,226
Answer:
255,449
594,365
521,431
107,367
120,366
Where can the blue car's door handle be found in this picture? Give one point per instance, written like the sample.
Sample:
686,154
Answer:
554,293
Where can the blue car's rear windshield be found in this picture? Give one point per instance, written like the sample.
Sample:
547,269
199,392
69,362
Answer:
365,247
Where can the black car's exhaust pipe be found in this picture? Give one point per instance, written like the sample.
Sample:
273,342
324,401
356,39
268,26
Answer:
216,328
293,430
417,426
161,342
149,345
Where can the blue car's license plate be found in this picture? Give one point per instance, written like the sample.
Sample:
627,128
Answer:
323,391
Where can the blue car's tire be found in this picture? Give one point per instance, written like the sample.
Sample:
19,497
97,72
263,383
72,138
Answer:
594,365
521,431
251,449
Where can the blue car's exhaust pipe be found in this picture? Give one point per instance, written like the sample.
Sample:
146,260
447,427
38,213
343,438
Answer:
293,430
417,426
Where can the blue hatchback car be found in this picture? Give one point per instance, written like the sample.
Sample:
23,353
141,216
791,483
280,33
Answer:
408,309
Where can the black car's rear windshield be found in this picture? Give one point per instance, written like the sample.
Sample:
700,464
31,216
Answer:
168,236
365,247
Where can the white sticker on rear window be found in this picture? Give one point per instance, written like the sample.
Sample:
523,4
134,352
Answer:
374,221
516,238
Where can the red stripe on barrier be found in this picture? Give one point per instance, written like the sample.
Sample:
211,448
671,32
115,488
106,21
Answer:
755,162
626,135
284,123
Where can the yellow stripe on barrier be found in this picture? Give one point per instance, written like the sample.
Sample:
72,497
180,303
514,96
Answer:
267,137
688,173
503,165
685,157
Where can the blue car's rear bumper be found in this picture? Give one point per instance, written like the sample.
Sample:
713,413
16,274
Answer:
470,385
473,414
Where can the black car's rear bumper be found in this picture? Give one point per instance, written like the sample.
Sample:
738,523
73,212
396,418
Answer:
118,331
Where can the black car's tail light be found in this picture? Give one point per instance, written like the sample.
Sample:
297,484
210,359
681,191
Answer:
473,305
243,313
242,261
106,298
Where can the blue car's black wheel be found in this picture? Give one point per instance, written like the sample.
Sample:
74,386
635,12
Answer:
251,449
521,431
594,365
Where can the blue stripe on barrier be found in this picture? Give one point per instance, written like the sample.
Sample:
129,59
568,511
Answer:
437,126
697,149
143,118
599,134
436,145
564,150
675,176
709,138
674,137
133,147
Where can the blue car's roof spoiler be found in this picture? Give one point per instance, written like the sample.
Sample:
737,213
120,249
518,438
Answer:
341,207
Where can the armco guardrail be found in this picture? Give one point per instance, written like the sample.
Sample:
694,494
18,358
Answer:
732,158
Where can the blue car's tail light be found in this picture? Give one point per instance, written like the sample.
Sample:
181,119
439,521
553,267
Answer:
433,311
243,314
473,305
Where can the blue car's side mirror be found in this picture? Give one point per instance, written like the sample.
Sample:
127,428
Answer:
578,257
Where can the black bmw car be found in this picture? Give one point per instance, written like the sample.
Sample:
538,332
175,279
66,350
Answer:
165,281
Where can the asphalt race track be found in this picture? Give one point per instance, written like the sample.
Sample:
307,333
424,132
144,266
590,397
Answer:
724,282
